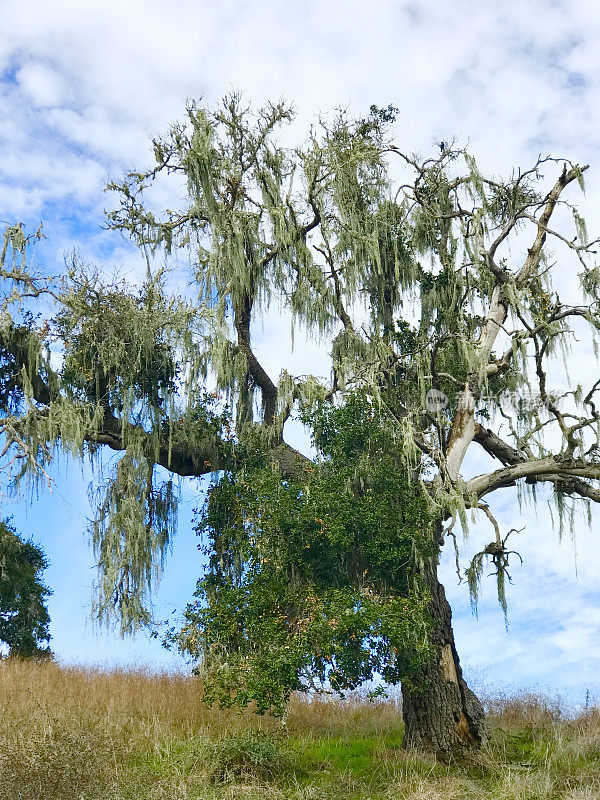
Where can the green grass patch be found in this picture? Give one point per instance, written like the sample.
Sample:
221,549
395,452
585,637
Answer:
358,755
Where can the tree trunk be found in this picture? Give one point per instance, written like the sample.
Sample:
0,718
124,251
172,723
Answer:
442,715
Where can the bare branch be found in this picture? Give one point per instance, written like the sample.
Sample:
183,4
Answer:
486,510
531,263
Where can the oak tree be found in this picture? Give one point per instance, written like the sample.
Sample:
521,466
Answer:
430,284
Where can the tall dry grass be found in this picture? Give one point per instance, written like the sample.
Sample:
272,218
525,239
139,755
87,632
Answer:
85,734
174,700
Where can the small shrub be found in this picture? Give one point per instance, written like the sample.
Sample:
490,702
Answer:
254,757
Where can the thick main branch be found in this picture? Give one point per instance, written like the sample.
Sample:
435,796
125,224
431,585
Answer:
533,470
242,320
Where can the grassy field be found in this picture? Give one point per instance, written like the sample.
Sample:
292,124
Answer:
73,734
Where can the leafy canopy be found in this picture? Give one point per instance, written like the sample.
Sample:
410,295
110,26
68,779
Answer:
312,580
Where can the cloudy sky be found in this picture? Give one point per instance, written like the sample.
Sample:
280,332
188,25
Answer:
83,86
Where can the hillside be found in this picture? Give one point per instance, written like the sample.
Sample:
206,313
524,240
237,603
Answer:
77,734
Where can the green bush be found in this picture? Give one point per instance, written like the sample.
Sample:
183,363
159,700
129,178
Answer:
254,756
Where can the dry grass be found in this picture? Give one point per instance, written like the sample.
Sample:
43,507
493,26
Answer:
80,734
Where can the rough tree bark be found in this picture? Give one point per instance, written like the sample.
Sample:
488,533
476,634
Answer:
442,715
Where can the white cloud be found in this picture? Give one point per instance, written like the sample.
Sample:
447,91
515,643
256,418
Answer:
42,84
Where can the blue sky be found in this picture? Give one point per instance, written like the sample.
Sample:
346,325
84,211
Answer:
83,85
